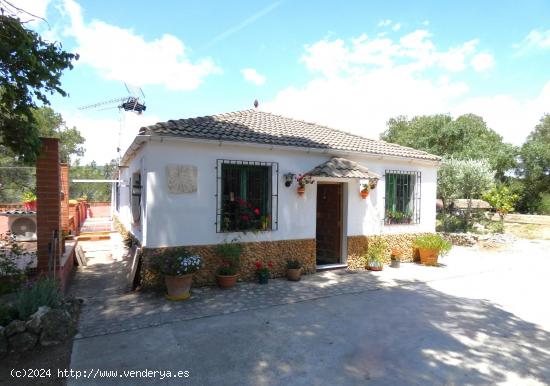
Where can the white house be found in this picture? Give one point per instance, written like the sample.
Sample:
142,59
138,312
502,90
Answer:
196,182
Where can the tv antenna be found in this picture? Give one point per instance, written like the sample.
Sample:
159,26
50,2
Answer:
133,102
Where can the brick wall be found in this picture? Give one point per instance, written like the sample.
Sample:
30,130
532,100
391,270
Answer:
48,178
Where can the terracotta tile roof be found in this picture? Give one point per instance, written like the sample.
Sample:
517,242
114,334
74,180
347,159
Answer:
342,168
261,127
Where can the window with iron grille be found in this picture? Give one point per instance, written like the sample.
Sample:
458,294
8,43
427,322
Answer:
247,196
402,201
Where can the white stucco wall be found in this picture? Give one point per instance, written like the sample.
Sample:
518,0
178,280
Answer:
124,213
189,218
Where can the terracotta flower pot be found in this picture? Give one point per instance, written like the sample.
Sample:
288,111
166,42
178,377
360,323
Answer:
428,256
178,287
293,274
301,190
30,205
375,268
364,194
226,281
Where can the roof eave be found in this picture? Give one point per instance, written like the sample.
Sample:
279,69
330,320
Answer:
139,140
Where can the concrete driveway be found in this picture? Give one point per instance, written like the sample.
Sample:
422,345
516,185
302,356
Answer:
481,319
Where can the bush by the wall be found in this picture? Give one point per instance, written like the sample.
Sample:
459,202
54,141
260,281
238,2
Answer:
44,292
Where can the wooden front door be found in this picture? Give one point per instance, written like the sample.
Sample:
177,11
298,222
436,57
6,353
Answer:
329,223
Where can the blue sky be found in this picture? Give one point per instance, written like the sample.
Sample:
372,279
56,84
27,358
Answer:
350,66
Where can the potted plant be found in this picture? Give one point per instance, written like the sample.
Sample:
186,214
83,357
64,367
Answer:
263,271
373,182
230,255
293,270
303,180
177,268
29,201
365,190
395,258
376,252
430,247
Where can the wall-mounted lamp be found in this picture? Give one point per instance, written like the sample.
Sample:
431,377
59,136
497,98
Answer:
289,178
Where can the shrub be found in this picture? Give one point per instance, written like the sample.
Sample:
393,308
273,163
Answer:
377,252
544,204
496,227
44,292
11,276
7,314
230,254
293,264
432,241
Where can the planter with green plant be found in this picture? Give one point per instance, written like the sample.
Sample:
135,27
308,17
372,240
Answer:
29,201
178,268
430,247
293,270
230,255
377,252
263,271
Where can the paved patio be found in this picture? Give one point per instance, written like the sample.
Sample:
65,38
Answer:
96,224
413,325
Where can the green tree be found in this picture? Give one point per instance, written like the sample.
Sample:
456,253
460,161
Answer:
30,68
15,177
535,166
466,137
463,179
502,199
51,124
93,191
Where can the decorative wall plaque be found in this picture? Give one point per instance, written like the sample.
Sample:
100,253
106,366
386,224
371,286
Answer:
181,178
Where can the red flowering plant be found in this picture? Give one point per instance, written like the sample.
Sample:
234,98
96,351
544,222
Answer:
303,180
247,216
263,269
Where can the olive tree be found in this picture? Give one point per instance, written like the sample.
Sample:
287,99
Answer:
467,179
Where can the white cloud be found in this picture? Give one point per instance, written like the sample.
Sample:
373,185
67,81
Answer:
511,117
384,23
358,85
120,54
482,62
536,39
396,27
414,51
252,76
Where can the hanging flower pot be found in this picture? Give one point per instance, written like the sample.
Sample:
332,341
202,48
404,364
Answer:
302,181
364,193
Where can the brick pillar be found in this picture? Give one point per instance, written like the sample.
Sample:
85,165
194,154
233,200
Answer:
48,181
65,197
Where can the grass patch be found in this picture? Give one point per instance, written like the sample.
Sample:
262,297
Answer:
528,231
